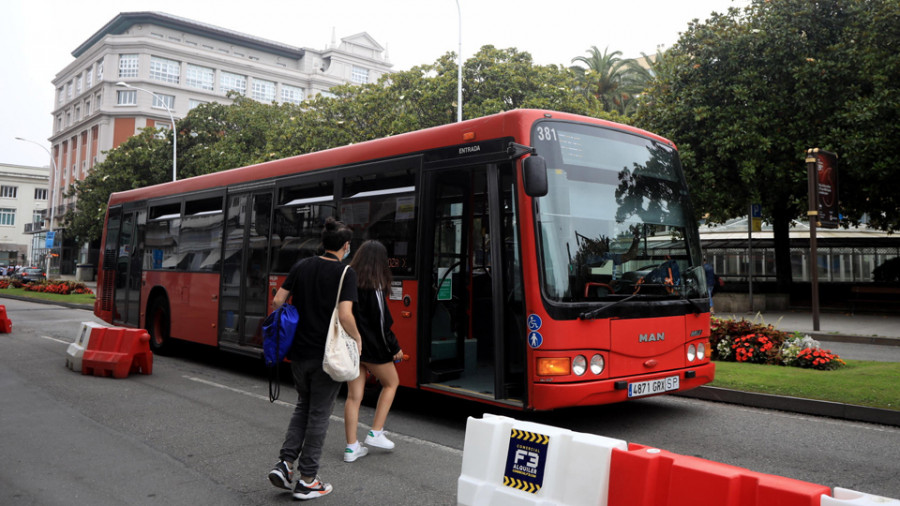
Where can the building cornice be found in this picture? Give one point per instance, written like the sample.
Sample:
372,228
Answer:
121,23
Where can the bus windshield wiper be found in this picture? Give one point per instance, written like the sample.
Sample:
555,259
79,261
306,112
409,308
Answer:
590,315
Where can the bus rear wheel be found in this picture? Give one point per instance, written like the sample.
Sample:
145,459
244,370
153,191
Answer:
158,321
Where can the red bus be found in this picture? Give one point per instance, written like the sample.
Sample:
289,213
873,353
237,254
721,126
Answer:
540,259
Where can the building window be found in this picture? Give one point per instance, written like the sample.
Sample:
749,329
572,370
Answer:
233,82
128,65
264,91
99,70
359,75
163,101
79,84
9,192
40,194
59,123
126,97
192,103
200,77
291,94
168,71
61,95
69,90
88,77
77,113
7,216
87,108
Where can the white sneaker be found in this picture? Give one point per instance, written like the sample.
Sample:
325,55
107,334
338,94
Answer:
379,441
350,455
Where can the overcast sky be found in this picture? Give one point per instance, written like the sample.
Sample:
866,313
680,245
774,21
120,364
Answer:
40,35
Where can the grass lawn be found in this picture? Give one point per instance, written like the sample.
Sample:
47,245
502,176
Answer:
861,383
55,297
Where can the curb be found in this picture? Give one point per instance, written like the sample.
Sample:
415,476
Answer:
843,338
796,405
87,307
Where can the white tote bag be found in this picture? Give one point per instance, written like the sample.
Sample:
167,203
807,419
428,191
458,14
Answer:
341,360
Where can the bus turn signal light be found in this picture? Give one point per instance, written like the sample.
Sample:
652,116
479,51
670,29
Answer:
553,366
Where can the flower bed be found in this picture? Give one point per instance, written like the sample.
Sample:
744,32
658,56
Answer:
50,286
754,343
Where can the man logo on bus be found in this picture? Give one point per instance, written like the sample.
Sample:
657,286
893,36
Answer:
646,338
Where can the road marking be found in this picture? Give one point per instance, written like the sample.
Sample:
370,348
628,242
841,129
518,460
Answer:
57,340
394,435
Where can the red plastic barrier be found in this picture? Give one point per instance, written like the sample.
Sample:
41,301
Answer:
5,323
644,476
117,351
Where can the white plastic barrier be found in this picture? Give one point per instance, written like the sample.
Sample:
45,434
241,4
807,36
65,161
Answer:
75,352
507,462
845,497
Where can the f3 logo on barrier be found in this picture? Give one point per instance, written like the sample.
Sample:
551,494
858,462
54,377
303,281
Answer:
525,460
533,458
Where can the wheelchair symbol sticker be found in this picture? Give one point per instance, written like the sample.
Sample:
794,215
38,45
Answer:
535,339
534,322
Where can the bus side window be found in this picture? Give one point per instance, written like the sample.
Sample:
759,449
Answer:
382,206
300,214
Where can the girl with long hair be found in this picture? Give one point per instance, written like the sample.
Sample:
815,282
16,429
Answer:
379,351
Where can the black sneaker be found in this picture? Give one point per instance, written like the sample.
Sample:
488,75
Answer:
317,488
281,475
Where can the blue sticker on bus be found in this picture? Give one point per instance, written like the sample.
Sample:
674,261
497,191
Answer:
534,322
535,339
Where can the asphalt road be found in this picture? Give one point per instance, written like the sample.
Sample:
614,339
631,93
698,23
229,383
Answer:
200,430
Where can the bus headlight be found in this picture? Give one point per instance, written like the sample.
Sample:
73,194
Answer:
691,353
597,364
579,365
701,351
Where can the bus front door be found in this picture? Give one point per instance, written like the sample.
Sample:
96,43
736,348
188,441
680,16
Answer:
243,300
460,315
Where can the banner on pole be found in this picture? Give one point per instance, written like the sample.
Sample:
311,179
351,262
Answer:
826,187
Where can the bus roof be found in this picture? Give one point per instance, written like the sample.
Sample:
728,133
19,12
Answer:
504,124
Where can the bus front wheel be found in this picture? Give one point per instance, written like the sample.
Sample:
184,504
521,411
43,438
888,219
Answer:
158,325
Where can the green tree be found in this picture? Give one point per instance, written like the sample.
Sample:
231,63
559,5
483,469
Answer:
142,160
215,137
745,93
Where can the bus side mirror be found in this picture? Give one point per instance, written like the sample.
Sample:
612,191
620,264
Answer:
534,172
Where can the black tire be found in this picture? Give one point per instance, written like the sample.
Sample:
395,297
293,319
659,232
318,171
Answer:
158,325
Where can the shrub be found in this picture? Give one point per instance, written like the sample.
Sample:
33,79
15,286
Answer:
58,286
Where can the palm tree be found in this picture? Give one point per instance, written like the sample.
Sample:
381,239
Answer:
613,81
603,76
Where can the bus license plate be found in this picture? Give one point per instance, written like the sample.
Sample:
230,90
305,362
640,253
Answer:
653,386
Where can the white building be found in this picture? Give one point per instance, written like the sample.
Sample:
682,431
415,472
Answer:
23,202
181,64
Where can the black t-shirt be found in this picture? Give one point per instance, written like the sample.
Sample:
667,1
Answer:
313,283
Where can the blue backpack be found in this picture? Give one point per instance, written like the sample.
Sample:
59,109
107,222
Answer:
278,334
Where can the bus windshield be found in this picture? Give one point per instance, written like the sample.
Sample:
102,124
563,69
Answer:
617,220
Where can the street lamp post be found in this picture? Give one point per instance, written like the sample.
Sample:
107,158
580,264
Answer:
459,68
52,195
171,116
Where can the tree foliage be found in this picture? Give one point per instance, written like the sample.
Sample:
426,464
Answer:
747,92
215,137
